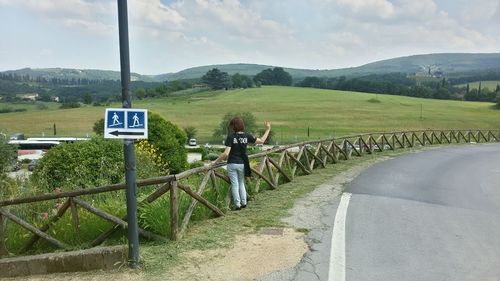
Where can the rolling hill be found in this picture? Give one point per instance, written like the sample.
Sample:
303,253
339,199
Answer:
446,63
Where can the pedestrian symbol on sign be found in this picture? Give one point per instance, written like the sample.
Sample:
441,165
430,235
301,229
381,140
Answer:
117,119
135,120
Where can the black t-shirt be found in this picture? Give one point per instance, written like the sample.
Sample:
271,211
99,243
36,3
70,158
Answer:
237,149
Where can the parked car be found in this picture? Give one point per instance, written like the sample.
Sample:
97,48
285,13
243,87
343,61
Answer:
32,165
17,136
192,142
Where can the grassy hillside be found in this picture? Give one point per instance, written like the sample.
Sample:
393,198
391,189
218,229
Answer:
492,85
291,110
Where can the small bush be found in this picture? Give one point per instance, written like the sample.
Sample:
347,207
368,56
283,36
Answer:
196,164
41,106
70,105
166,137
372,100
88,164
170,141
212,156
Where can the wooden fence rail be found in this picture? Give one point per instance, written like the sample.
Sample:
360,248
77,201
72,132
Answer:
270,168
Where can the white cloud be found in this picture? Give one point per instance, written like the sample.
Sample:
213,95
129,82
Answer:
64,8
171,35
92,27
416,10
479,10
153,14
382,9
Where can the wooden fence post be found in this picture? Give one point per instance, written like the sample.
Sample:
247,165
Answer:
3,250
174,212
74,217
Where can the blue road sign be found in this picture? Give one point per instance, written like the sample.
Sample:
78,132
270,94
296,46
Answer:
135,120
126,123
116,119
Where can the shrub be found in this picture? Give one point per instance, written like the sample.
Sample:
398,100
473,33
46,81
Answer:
167,138
170,141
70,105
196,164
212,156
7,156
88,164
80,164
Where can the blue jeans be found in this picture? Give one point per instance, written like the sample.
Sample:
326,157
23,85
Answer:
236,173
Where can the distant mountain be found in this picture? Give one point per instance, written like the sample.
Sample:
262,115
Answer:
70,73
446,64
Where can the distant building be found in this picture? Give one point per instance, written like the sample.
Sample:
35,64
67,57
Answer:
28,96
200,85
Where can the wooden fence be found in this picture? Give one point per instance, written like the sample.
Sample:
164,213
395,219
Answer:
270,168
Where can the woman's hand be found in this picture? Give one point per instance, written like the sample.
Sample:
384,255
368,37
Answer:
267,125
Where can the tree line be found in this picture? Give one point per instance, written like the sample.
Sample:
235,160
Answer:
403,85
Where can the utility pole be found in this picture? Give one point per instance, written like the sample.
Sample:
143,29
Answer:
128,144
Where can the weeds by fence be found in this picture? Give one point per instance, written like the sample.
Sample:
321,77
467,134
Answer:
164,211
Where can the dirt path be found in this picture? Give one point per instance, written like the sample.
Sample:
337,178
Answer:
251,256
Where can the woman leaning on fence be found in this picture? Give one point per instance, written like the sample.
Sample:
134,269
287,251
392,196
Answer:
237,159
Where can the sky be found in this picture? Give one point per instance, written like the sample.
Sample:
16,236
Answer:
172,35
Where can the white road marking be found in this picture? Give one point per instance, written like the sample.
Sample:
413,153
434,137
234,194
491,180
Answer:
336,271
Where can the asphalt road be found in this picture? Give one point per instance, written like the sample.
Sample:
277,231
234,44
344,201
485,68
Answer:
433,215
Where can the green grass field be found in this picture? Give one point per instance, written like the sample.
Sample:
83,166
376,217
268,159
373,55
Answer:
291,110
492,85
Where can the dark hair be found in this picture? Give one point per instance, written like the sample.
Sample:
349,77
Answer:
236,124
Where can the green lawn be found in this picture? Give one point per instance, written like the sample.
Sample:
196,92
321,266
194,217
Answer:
291,110
492,85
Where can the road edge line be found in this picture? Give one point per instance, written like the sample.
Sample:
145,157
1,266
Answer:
336,271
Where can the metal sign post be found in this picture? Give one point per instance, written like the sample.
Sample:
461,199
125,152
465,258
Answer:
128,144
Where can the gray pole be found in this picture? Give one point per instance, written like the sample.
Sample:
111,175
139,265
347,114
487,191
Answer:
128,145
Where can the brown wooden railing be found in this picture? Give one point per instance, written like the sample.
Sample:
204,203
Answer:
270,168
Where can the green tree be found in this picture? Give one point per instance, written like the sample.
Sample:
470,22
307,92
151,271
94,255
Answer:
87,98
242,81
237,80
140,93
223,129
190,132
282,77
275,76
217,79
